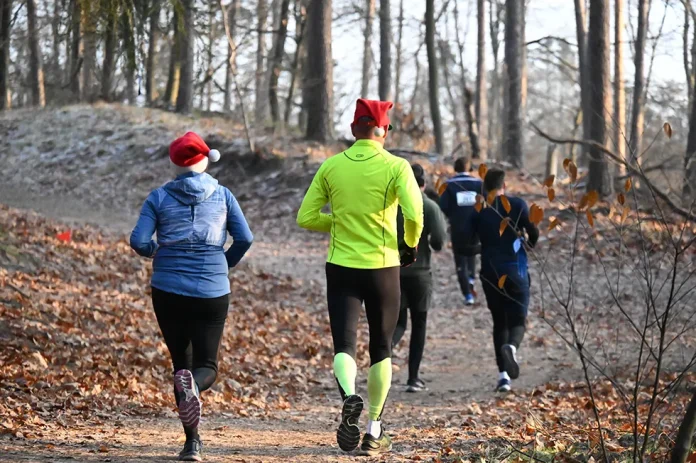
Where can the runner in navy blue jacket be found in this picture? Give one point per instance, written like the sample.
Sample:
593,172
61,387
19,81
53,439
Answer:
505,255
457,202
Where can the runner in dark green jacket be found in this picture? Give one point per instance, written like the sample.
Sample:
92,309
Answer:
416,283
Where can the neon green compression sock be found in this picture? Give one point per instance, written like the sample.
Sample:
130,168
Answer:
378,384
345,371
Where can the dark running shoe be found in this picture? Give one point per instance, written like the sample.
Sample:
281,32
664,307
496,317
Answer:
503,386
348,434
416,385
510,361
372,446
192,451
189,399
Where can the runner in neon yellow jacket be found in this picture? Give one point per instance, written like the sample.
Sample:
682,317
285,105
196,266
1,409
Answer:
364,186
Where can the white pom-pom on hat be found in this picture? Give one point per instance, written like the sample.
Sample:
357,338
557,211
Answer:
214,155
379,132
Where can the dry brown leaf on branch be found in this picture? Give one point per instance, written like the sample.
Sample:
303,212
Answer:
573,172
551,194
506,203
592,198
590,219
438,184
441,189
554,223
501,281
667,128
482,171
536,214
549,181
621,199
491,197
503,225
628,185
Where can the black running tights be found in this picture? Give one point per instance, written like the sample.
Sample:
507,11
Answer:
416,293
346,290
192,329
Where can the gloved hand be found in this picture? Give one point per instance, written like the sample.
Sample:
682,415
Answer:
408,255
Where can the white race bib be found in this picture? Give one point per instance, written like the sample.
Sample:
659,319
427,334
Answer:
466,198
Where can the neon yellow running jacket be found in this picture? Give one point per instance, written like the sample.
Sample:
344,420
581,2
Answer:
364,186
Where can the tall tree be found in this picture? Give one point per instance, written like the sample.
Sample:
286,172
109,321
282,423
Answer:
481,85
260,88
599,92
184,100
127,34
385,52
581,34
523,56
367,48
75,48
36,74
433,85
5,24
494,120
207,89
619,90
318,84
637,110
300,19
513,63
171,92
231,67
89,30
151,65
399,51
279,49
689,187
110,9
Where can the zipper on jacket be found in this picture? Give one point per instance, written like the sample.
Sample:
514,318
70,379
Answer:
193,213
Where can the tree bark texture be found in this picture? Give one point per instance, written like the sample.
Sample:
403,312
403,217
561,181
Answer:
637,110
151,65
174,75
260,88
318,85
111,12
599,92
399,51
89,65
433,84
581,34
689,187
513,63
367,48
184,100
682,444
5,21
300,20
75,48
385,51
619,90
36,74
277,63
481,81
231,66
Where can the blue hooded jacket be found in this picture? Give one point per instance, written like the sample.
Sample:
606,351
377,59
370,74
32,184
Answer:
191,216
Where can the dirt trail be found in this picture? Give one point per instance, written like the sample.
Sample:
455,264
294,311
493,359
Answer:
458,364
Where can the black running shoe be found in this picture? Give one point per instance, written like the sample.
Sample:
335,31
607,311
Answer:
348,434
372,446
510,361
416,385
192,451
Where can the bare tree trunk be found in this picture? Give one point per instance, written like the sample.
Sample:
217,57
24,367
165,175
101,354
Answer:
367,49
682,444
111,13
581,33
385,53
481,90
599,91
685,51
689,187
75,49
619,91
89,66
184,100
174,75
637,111
260,88
276,66
5,21
513,62
231,68
433,84
551,160
151,65
55,32
494,125
208,88
128,40
399,51
523,57
471,124
445,58
36,74
300,18
318,83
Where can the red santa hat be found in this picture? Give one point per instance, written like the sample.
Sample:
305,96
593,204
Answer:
190,150
376,110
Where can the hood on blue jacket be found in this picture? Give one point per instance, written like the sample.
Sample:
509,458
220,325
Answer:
191,188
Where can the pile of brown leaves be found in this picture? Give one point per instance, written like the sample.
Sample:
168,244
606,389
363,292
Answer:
80,339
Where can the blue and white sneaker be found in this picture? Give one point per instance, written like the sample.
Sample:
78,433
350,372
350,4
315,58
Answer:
503,385
472,281
510,361
470,300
